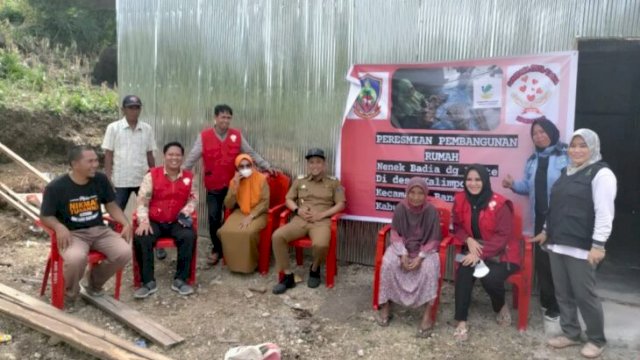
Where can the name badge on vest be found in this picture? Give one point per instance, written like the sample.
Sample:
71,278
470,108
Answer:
233,137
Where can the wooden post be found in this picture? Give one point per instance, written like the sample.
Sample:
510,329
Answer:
22,162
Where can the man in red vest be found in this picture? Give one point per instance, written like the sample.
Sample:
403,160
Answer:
218,147
166,200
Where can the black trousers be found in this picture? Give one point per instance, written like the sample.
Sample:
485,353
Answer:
184,239
543,271
215,200
545,280
493,284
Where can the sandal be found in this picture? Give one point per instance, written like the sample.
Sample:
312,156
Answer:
461,334
504,319
425,333
384,322
213,259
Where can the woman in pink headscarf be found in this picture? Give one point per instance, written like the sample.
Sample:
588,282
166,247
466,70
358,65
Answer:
410,266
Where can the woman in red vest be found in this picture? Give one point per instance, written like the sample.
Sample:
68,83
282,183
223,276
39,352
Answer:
483,226
249,195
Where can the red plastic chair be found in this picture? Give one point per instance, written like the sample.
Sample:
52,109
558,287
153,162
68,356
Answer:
444,210
55,265
278,187
521,280
165,243
305,242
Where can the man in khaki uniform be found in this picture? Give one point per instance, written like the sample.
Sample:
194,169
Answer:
314,199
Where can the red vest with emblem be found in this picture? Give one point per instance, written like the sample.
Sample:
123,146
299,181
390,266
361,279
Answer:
487,223
218,157
169,197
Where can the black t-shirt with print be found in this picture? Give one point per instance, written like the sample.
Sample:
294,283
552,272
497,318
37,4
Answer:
77,206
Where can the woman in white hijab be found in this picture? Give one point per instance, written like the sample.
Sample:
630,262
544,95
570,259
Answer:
579,221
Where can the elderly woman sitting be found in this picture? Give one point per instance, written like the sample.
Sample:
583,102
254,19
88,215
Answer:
249,195
410,266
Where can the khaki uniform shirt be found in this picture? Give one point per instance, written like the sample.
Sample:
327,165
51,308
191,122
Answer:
316,195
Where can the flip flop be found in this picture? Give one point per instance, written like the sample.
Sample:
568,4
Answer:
425,333
504,319
384,322
213,259
461,334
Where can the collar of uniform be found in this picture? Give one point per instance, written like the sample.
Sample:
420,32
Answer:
164,171
125,124
310,178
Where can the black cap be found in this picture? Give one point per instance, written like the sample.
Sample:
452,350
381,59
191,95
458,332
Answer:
131,100
315,152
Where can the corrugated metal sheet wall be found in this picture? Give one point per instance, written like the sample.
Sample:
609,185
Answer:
281,63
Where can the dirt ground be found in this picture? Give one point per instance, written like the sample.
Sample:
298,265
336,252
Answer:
305,323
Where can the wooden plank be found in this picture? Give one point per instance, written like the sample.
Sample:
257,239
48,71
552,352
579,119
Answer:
67,333
22,162
148,328
34,305
8,198
21,199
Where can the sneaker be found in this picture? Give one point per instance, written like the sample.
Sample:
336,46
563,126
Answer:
552,315
287,282
560,342
161,254
591,350
182,287
145,290
314,278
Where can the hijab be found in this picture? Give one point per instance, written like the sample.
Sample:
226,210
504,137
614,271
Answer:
550,129
416,224
479,201
249,189
593,143
482,199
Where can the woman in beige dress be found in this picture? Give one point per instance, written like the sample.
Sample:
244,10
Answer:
249,197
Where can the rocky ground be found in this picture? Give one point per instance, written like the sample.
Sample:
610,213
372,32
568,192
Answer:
225,312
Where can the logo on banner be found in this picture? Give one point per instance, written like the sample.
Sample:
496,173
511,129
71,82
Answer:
367,104
534,91
487,92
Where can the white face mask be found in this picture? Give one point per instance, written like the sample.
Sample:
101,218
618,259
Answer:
245,173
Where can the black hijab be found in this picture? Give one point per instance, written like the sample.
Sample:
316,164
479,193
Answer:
550,128
479,201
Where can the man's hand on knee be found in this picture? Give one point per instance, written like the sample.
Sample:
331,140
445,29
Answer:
63,236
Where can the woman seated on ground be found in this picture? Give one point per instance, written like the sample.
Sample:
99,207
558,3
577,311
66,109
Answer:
483,225
249,194
410,267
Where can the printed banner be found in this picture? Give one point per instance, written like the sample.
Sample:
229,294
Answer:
432,120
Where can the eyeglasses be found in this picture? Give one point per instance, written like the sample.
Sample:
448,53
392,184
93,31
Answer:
133,107
248,166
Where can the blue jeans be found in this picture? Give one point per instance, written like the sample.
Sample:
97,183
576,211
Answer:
123,194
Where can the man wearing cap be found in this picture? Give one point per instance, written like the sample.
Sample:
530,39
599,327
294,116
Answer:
218,147
314,198
128,150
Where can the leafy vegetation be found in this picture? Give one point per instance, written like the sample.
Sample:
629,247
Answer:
47,51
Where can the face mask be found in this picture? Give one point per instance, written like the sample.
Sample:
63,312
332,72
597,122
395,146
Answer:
245,173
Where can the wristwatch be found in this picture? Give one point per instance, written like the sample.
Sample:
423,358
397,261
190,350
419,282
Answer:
295,211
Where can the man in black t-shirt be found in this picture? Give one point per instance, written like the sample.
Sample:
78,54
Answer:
71,207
